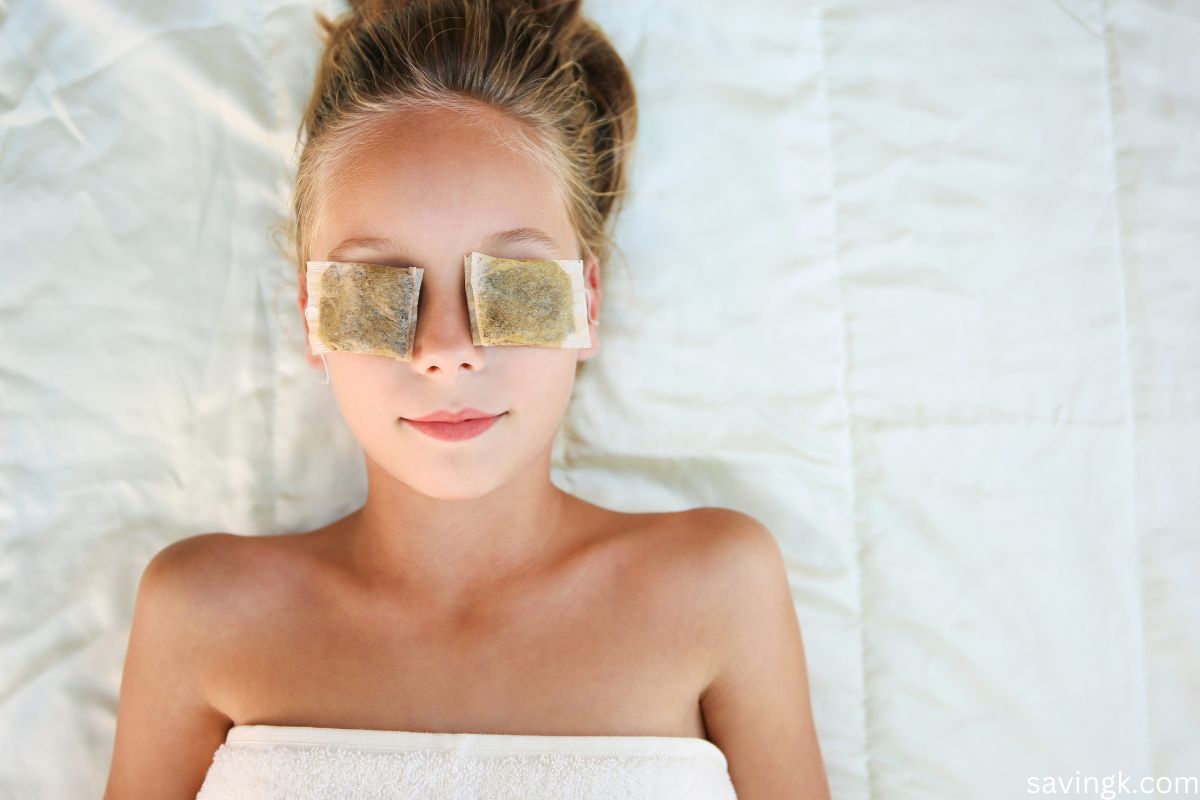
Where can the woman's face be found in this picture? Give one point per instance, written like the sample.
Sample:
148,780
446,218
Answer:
436,185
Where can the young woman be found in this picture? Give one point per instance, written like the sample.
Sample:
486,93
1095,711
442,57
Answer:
472,630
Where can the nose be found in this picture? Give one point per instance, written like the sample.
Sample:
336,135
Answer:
443,339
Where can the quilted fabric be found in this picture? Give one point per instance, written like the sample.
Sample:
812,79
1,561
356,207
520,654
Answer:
262,762
916,284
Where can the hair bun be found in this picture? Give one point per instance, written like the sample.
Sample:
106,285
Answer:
367,9
557,14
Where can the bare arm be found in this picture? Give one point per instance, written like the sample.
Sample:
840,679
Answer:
757,707
166,731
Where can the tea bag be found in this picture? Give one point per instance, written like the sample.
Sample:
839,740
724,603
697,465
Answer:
362,308
538,302
371,308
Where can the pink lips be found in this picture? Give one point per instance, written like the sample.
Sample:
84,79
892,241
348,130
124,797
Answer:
453,416
457,426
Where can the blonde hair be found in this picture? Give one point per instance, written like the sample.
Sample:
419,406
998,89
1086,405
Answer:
539,62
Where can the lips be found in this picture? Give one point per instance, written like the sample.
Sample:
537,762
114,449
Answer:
456,431
442,415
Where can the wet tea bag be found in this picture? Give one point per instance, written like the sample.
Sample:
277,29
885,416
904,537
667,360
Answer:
371,308
536,302
362,308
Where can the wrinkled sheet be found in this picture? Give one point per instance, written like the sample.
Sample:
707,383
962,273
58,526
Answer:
957,372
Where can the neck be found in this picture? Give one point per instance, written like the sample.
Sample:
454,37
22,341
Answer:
452,551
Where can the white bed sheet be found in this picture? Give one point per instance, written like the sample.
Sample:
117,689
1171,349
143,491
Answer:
956,368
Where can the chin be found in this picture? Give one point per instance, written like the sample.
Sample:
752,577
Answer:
449,483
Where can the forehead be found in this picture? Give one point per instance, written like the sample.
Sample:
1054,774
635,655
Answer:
440,181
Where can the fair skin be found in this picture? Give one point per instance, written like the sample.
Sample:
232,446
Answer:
451,521
468,594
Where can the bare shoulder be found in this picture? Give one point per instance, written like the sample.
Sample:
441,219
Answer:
757,706
737,545
189,563
700,566
710,550
167,730
722,551
206,560
186,584
207,578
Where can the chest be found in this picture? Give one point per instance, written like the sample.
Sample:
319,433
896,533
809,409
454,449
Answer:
607,657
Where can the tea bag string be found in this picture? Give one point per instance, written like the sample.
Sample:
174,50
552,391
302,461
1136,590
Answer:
326,370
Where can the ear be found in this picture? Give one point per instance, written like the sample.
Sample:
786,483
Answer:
591,282
313,360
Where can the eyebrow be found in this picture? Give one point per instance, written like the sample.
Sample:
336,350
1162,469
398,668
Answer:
512,236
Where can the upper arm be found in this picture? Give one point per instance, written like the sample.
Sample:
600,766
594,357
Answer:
757,707
166,732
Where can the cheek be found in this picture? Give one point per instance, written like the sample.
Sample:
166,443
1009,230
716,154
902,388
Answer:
367,385
544,365
547,374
